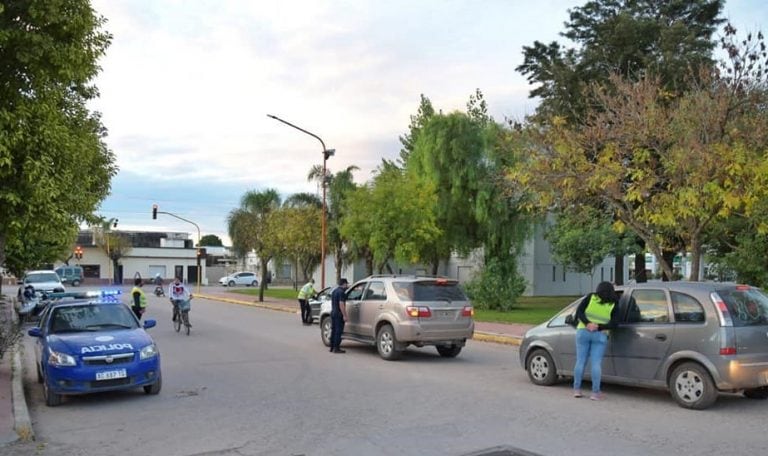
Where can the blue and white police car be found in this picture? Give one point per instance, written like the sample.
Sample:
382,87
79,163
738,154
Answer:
89,344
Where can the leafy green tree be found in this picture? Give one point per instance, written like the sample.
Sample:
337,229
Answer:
114,245
250,228
54,165
669,39
211,240
296,232
423,114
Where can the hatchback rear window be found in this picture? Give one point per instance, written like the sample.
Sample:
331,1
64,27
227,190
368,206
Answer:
429,290
748,306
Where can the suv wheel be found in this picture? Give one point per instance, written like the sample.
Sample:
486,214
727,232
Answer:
541,369
75,283
757,393
387,344
449,351
325,331
692,387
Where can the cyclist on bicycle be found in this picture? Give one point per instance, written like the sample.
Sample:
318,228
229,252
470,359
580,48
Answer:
179,295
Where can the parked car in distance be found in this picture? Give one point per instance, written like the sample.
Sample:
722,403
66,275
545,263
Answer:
240,278
316,302
70,274
694,339
93,344
395,311
42,282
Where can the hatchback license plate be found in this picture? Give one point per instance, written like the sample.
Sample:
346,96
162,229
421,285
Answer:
111,375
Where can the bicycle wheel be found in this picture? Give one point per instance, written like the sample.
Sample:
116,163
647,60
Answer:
186,321
177,319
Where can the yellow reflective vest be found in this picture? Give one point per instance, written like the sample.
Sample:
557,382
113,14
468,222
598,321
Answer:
597,312
306,290
142,298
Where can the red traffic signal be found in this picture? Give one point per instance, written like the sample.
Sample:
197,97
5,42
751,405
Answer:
154,212
79,252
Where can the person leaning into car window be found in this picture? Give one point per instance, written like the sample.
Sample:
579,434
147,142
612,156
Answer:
306,292
596,314
139,298
338,315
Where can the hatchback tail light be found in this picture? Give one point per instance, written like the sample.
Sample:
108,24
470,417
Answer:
728,351
418,312
722,310
468,311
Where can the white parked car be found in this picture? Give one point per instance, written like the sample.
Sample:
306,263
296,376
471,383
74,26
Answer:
41,281
240,278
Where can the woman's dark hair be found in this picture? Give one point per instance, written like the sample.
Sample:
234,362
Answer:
606,292
137,281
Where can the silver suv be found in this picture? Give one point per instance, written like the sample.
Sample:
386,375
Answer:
693,338
394,311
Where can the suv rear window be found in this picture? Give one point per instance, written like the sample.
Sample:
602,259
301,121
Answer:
748,306
430,290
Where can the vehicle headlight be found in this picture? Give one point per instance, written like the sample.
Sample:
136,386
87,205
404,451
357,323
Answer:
60,359
148,352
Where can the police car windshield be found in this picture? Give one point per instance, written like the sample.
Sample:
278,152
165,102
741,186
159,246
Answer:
91,317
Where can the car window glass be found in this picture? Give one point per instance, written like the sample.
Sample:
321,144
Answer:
376,292
356,293
648,306
91,318
437,290
42,277
559,319
686,308
748,306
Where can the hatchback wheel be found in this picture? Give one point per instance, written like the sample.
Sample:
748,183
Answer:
449,351
757,393
231,283
692,387
541,369
325,331
386,343
254,283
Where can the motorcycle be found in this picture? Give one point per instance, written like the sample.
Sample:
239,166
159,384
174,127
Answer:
159,291
31,305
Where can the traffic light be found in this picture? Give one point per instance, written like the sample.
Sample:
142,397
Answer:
154,212
78,253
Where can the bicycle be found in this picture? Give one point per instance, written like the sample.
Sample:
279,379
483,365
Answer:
181,316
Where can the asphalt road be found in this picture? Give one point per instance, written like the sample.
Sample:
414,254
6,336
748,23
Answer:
251,381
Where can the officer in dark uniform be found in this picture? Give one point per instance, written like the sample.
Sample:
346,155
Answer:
338,315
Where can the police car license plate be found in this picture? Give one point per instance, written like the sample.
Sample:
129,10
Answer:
111,375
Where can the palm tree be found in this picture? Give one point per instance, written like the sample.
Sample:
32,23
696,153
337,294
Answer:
248,227
114,245
339,186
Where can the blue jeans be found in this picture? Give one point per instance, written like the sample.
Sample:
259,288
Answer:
589,344
337,328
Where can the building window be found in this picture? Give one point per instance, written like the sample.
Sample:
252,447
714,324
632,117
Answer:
563,273
602,273
554,273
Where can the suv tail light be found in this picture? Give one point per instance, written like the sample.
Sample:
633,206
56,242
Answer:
468,311
418,312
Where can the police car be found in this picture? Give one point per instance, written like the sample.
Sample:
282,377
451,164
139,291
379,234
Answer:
87,344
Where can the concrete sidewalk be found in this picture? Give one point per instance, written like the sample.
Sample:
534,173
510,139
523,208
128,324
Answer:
502,333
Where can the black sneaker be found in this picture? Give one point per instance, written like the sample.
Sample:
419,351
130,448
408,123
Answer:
339,350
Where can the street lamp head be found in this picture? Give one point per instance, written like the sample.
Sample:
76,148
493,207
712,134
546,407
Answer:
114,224
329,153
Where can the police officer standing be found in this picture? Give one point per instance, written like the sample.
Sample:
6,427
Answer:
338,315
138,297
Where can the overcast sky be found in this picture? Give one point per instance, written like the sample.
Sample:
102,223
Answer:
186,87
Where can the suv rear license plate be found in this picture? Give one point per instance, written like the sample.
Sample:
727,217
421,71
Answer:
111,375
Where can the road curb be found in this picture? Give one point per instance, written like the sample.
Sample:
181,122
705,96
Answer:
22,422
479,335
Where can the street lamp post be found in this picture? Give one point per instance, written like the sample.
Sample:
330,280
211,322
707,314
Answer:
197,251
326,153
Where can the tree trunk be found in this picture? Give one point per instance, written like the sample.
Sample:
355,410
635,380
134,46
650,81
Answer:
640,275
618,270
2,258
369,264
667,258
339,263
695,259
263,285
435,265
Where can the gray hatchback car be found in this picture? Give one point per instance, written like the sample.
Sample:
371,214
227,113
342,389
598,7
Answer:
693,338
394,311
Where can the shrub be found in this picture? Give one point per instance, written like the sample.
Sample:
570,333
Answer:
496,287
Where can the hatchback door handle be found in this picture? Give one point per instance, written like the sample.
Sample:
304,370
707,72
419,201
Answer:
661,337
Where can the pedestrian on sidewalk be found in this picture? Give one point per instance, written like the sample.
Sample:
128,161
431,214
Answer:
338,315
306,292
597,313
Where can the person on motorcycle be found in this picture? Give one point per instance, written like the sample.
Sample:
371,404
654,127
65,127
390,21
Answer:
158,285
179,295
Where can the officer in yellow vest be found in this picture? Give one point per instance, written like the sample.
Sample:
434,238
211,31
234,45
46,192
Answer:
596,314
139,304
306,292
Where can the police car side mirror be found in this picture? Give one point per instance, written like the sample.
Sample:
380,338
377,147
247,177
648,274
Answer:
149,324
35,332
